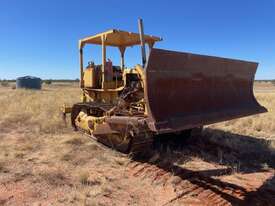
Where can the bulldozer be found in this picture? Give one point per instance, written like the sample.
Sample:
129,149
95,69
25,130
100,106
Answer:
169,92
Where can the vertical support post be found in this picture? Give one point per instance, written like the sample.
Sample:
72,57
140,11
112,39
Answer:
150,44
122,51
81,66
103,38
142,43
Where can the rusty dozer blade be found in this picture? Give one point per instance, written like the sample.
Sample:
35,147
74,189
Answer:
185,90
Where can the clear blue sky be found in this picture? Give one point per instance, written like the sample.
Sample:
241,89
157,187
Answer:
40,37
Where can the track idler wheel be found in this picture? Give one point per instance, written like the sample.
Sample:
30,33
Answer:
115,141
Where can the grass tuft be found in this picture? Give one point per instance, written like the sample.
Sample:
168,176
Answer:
54,178
75,141
84,177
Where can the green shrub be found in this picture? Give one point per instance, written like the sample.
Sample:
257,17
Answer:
48,82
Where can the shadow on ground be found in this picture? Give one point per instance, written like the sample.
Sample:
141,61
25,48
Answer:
240,154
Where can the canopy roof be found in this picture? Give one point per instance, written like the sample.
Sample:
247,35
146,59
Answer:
118,38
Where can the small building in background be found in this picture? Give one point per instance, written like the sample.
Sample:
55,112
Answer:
28,82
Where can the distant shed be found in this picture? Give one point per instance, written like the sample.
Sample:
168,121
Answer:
28,82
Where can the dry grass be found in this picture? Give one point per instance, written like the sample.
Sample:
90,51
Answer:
41,109
84,177
262,125
37,147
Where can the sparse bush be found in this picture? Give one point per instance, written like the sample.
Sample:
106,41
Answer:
1,166
48,81
4,83
55,178
67,157
75,141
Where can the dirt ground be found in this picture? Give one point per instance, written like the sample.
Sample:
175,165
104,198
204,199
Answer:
43,162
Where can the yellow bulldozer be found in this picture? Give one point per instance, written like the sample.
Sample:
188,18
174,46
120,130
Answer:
170,92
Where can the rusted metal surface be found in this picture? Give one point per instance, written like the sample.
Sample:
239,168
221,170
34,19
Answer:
185,90
124,133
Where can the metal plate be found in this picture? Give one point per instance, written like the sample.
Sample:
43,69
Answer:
185,90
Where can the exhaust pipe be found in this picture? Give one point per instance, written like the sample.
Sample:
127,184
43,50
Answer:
142,43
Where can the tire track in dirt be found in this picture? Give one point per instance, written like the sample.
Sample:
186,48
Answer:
195,187
218,184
